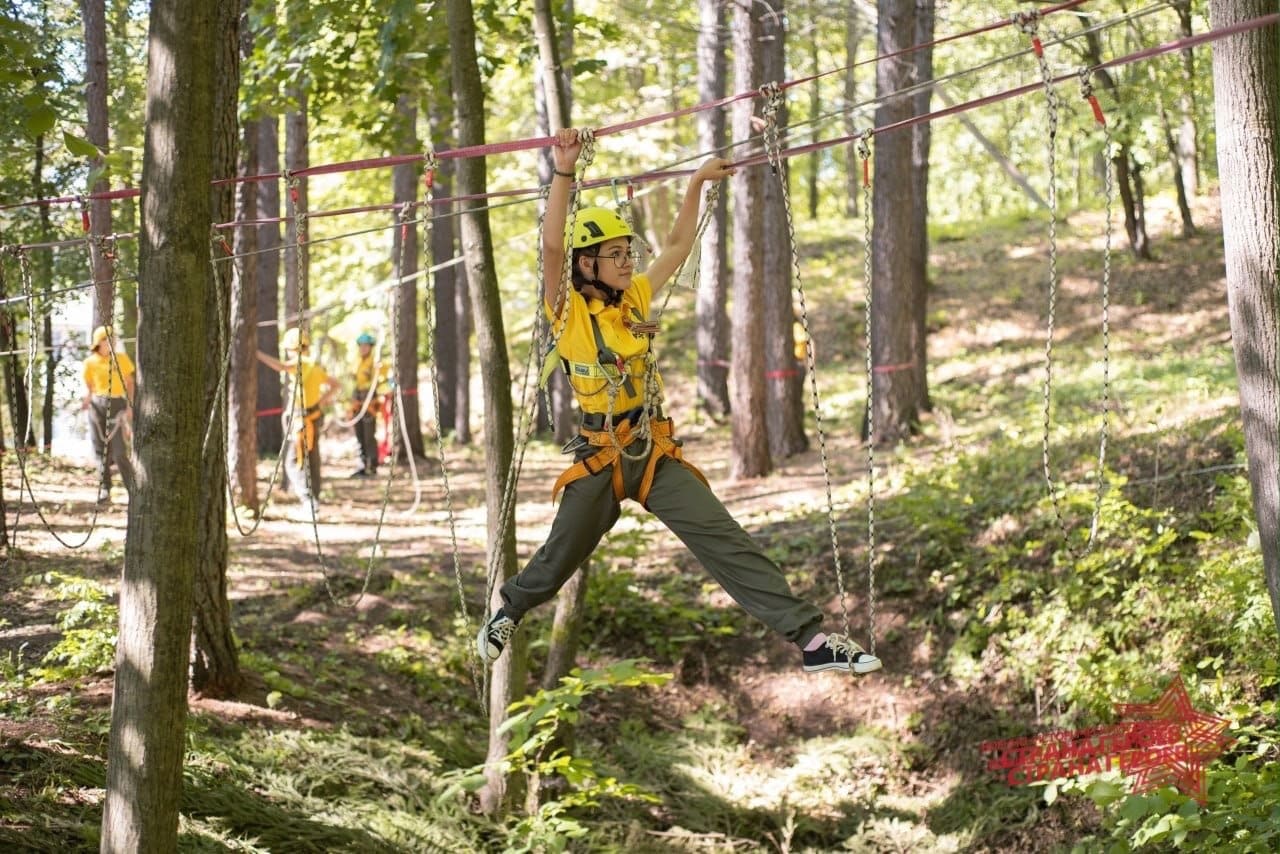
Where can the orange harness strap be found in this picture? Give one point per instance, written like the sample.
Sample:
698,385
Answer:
663,446
305,440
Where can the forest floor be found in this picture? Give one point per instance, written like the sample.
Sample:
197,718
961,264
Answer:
351,664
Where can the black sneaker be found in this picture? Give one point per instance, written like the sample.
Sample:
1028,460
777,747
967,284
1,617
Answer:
359,473
840,653
104,496
494,636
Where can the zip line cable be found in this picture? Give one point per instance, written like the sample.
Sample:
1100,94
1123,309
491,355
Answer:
539,142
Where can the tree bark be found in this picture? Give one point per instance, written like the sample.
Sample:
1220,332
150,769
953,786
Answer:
713,282
784,375
15,382
852,162
270,399
1246,77
1188,132
404,248
895,411
921,139
101,264
52,356
242,399
507,674
750,454
296,255
554,100
149,701
215,668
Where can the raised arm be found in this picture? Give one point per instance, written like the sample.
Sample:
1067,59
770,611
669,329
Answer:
564,156
680,241
272,362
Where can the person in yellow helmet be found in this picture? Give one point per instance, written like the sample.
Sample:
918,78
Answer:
626,447
108,383
304,412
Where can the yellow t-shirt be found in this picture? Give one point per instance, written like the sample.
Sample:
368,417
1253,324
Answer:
313,380
365,372
578,346
101,379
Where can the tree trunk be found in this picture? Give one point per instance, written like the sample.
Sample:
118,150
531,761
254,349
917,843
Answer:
567,626
921,138
52,356
1246,77
149,701
296,255
1188,133
444,344
404,248
507,674
215,668
462,386
15,382
895,410
713,282
242,401
1135,224
270,400
750,455
101,265
125,216
814,160
784,375
852,162
554,102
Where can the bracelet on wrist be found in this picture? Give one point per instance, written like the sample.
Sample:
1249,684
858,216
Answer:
564,174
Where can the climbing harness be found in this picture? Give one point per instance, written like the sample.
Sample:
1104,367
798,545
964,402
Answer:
611,444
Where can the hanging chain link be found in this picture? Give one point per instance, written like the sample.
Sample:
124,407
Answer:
773,148
864,152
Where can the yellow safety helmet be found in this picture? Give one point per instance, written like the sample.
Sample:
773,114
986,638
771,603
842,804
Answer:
102,333
596,225
293,338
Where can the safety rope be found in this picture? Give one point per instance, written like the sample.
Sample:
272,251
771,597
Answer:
432,324
19,444
772,107
864,153
1087,93
1028,22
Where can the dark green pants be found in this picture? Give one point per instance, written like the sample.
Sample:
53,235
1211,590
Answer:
588,510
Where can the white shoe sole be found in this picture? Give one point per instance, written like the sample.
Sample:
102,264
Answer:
860,667
482,645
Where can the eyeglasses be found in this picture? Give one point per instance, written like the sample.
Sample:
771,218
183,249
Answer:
620,257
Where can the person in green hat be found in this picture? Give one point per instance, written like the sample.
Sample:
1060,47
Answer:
365,403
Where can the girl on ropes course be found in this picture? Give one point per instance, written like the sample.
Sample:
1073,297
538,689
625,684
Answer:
313,389
626,447
108,382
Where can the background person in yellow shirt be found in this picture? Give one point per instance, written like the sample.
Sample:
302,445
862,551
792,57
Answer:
368,374
302,417
108,382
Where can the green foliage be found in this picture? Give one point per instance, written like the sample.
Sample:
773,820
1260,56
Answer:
89,627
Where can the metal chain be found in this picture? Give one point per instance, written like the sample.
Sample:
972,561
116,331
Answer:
431,165
772,107
864,152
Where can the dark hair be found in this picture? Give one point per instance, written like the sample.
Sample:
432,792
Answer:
612,297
